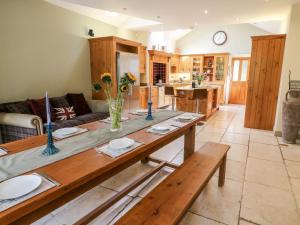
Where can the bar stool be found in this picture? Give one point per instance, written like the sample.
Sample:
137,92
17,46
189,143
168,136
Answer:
197,96
169,91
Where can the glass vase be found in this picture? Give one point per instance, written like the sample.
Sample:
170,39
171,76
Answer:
115,111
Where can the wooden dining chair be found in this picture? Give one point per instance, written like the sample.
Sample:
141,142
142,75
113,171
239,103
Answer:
197,96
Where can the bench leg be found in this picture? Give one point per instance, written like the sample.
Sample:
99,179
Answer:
222,171
189,142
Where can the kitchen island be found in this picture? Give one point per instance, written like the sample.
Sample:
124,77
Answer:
207,102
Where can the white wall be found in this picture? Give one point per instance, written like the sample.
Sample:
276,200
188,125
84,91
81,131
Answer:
45,47
238,43
290,62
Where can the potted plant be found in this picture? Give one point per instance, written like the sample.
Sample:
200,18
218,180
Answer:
115,103
200,78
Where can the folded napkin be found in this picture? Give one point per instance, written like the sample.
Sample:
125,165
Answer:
59,136
115,153
3,151
45,185
107,120
151,130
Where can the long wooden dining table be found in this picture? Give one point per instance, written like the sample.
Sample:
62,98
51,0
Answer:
81,172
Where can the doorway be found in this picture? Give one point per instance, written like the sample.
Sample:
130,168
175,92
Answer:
239,80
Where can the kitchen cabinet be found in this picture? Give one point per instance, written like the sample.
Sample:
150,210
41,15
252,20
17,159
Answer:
185,64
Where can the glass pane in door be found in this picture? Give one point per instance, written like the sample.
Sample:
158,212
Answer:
236,68
220,64
244,70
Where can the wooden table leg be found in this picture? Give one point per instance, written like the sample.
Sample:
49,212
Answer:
189,142
222,171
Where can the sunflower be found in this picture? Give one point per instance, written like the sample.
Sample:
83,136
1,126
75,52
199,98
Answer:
131,77
124,88
106,78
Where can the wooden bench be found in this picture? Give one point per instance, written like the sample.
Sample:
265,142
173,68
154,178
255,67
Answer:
167,203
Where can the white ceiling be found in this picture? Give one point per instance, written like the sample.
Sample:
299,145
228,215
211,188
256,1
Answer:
183,14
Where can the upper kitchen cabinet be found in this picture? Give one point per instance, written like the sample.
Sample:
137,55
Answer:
174,63
116,56
185,64
221,67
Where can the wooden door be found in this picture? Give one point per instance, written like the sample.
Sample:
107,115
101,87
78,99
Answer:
239,81
264,78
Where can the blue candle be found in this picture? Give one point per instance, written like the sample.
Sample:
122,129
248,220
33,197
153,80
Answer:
48,109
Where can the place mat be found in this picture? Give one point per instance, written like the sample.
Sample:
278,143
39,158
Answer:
116,153
107,120
172,128
46,185
180,123
3,151
28,160
59,136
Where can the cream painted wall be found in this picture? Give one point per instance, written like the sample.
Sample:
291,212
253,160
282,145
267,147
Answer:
200,39
290,62
44,47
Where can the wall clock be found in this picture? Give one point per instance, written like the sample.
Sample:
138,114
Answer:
220,38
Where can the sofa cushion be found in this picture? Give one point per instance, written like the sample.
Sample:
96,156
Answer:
80,105
38,107
64,113
91,117
66,123
59,102
18,107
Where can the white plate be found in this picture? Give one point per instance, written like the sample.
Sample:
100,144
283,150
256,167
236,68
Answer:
19,186
187,117
66,131
160,127
121,143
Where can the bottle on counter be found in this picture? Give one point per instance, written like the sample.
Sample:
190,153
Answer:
193,84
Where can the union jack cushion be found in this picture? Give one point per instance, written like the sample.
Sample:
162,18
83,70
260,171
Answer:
64,113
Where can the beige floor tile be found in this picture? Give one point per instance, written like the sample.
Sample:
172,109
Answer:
236,138
193,219
210,129
262,132
267,215
239,129
219,124
264,151
291,152
121,180
267,173
234,170
237,152
293,168
168,152
205,137
264,139
220,204
243,222
87,202
258,194
296,189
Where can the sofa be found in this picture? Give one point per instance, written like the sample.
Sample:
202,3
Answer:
19,120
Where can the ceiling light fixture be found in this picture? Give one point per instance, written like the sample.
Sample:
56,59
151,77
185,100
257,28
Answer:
158,17
205,11
124,8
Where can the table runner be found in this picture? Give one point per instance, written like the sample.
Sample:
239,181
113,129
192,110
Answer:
25,161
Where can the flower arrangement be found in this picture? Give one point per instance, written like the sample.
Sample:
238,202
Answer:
115,103
200,77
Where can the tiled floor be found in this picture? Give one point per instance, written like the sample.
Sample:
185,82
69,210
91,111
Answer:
262,185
